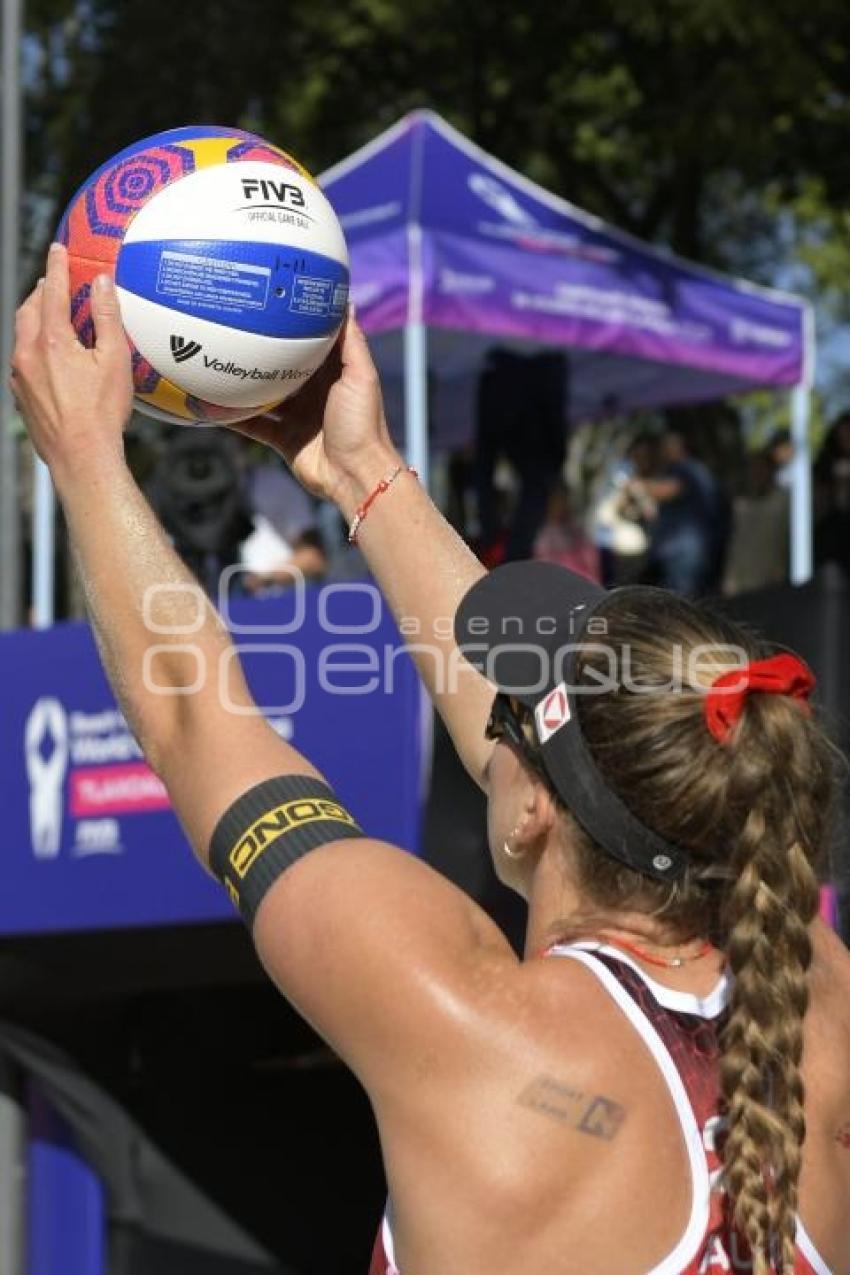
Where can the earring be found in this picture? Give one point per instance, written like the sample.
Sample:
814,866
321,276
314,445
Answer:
508,848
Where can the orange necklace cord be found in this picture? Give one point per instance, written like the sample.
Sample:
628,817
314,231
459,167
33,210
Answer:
664,962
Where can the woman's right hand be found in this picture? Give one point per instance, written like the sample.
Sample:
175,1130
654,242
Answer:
333,433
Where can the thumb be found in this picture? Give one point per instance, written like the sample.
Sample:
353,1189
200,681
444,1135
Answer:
106,312
355,352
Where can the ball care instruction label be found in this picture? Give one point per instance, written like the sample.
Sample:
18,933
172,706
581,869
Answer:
320,297
210,283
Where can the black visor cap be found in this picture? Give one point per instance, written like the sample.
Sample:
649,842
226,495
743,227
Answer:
523,626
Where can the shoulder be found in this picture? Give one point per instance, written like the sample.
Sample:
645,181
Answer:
548,1075
561,1003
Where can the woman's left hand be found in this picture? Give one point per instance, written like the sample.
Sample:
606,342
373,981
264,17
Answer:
75,402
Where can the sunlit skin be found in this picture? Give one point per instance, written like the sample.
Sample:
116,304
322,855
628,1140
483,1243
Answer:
461,1047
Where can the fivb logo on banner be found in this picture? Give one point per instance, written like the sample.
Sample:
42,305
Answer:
46,753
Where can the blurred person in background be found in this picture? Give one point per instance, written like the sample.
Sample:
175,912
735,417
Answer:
196,488
625,511
285,538
684,536
758,549
461,504
563,540
780,449
594,446
832,496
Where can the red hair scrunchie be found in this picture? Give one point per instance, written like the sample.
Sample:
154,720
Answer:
780,675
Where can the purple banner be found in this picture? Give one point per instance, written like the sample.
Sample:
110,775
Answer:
89,839
501,256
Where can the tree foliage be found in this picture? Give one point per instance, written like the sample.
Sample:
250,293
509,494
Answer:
720,127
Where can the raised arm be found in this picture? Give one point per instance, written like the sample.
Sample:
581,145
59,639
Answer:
330,927
424,569
334,436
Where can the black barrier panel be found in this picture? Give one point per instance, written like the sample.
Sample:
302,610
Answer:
131,1253
814,620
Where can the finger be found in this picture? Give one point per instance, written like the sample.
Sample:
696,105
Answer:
56,305
28,318
354,350
106,312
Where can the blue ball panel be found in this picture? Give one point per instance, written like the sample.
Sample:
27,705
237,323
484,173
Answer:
261,288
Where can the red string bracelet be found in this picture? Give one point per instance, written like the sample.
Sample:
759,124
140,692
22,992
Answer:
383,485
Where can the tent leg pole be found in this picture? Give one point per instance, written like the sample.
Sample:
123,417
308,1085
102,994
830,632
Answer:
416,398
416,449
12,1173
10,195
43,546
801,547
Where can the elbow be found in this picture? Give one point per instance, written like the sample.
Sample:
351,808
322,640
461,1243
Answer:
155,722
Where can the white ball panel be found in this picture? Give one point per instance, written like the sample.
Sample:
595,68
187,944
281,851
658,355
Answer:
277,206
229,368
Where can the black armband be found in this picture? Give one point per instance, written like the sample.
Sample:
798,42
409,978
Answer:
267,829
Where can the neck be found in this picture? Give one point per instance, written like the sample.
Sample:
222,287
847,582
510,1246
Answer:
558,910
662,956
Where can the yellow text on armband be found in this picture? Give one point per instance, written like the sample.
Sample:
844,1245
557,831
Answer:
280,820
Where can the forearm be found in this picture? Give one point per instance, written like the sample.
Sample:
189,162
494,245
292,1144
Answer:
167,655
424,569
161,641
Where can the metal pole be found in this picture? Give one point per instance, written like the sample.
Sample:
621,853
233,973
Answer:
12,1173
801,555
43,546
416,398
415,331
10,194
801,488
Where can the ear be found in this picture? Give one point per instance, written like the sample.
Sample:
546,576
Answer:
538,814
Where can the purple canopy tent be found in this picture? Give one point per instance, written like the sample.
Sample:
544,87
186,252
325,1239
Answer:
457,252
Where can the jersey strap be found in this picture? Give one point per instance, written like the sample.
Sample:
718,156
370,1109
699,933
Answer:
682,1033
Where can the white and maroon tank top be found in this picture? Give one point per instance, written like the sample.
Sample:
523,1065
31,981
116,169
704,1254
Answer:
681,1032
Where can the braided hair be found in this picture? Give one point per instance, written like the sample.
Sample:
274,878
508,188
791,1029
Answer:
753,814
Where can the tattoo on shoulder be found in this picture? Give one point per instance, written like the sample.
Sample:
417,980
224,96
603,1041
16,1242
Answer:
842,1137
593,1114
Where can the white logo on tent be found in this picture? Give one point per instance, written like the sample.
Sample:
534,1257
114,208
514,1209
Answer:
46,753
500,198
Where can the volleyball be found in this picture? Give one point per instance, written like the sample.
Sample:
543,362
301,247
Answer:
230,265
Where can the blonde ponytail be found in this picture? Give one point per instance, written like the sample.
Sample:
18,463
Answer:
754,815
772,902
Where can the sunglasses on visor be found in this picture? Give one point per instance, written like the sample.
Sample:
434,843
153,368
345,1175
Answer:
506,722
